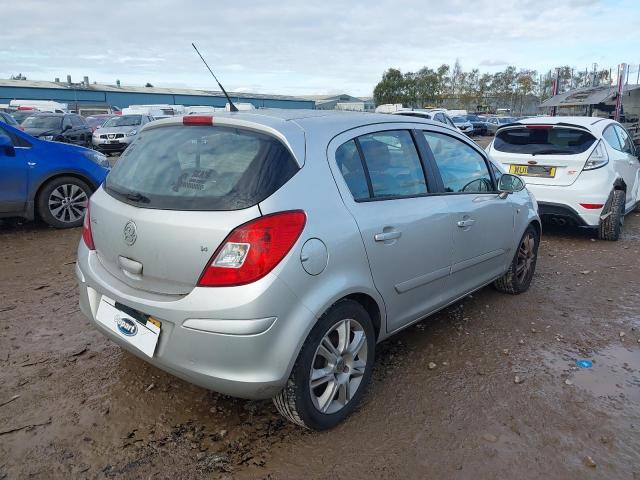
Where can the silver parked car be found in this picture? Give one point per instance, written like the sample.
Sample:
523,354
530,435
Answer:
464,125
265,254
118,132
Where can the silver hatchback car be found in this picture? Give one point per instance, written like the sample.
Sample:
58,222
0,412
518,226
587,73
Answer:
265,254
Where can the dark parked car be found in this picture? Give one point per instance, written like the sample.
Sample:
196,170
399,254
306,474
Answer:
59,127
21,115
47,179
479,124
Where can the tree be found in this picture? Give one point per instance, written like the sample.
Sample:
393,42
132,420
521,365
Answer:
390,88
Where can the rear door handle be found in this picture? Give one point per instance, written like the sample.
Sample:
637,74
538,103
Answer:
383,237
466,223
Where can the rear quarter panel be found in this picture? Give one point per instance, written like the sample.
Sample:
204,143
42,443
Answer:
313,190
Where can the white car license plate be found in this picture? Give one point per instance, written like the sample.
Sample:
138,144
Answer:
114,142
144,337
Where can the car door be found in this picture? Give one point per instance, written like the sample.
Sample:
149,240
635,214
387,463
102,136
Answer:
482,221
630,166
84,131
406,232
14,175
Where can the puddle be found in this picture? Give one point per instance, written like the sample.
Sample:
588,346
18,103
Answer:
615,373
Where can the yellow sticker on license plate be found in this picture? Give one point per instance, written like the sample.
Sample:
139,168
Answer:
533,170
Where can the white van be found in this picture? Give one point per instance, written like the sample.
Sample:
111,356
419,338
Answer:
196,109
162,110
42,105
389,108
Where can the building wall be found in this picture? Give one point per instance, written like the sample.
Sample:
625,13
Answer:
124,99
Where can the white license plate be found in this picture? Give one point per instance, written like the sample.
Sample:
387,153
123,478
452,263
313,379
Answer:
144,337
114,141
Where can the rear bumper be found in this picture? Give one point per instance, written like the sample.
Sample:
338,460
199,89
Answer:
560,213
591,187
240,343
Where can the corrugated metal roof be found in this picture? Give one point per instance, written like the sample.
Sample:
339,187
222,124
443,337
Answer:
134,89
585,96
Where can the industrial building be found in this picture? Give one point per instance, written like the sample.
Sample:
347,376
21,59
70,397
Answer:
597,101
342,102
124,95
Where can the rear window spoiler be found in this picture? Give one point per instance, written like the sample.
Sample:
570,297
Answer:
559,124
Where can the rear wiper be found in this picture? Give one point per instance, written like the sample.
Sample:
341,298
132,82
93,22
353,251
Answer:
550,151
136,197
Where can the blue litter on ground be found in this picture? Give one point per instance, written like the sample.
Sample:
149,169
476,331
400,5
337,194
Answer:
584,363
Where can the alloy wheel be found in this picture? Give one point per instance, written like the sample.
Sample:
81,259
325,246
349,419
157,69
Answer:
526,256
67,203
338,366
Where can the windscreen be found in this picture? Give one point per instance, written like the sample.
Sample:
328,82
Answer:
42,121
543,141
458,119
123,121
200,168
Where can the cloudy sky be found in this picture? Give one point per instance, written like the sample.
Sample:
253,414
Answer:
306,48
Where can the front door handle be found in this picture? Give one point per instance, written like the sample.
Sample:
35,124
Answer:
466,223
384,236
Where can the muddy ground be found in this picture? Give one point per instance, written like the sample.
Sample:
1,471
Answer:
505,399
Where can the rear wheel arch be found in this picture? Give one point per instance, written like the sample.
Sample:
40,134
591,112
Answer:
619,184
372,308
536,224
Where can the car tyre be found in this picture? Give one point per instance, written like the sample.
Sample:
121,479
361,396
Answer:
610,227
518,278
338,365
62,202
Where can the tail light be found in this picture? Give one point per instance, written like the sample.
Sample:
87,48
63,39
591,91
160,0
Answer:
598,157
87,236
592,206
252,250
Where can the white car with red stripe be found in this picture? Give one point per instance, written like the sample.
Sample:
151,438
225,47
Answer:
582,170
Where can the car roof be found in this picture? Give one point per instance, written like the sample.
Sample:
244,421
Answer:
291,125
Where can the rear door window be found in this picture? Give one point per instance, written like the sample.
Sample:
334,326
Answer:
200,168
463,169
543,141
393,164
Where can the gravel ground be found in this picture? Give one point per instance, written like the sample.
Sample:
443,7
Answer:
505,399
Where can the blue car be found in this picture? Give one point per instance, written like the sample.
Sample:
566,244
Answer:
49,179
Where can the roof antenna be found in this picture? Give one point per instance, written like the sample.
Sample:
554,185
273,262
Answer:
232,107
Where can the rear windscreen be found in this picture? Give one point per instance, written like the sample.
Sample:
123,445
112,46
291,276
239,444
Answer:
200,168
543,141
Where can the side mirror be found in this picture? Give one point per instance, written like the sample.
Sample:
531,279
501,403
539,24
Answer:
6,146
66,127
510,184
